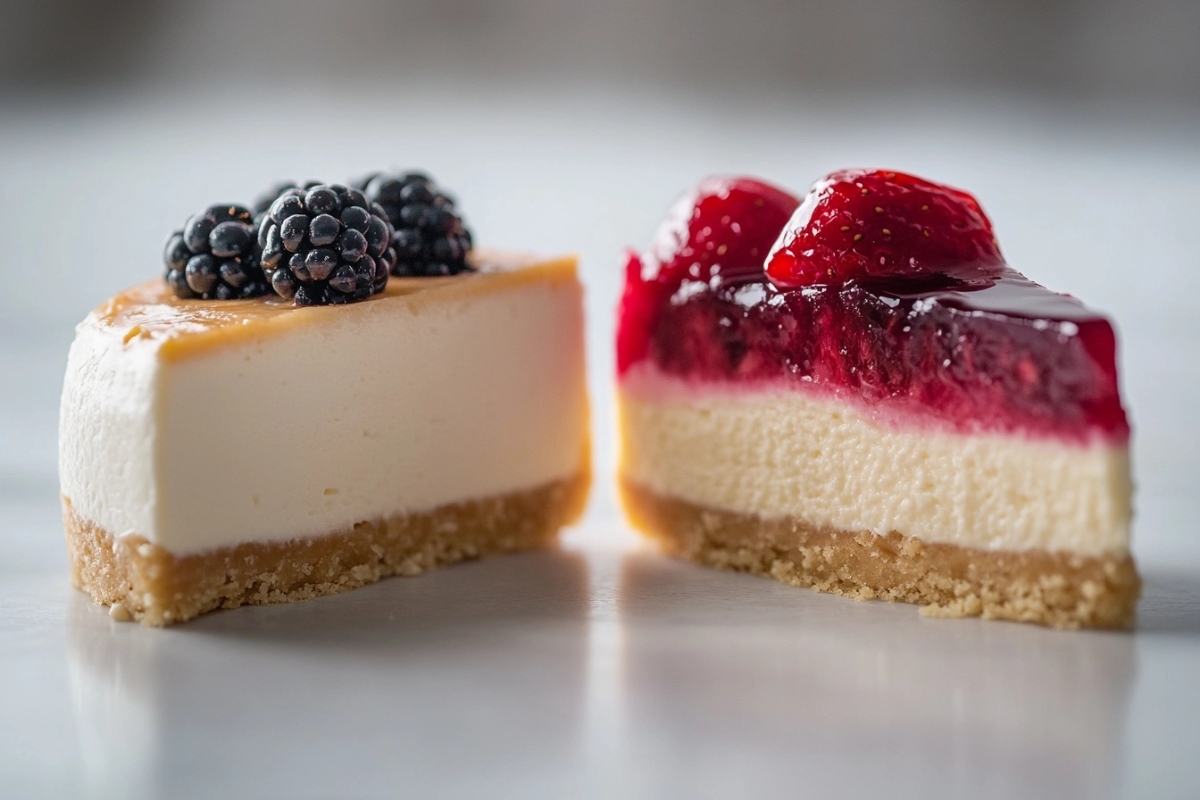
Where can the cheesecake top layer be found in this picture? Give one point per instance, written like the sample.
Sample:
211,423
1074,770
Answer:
150,315
951,338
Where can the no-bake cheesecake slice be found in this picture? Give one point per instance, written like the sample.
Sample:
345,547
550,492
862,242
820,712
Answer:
221,452
856,393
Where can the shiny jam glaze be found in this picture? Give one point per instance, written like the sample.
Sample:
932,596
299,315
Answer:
997,353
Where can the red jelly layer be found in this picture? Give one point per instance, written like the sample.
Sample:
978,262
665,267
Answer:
1003,354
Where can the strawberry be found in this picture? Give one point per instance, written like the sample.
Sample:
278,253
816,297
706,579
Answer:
720,231
857,224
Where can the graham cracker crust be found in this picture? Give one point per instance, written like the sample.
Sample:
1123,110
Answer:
1055,589
148,583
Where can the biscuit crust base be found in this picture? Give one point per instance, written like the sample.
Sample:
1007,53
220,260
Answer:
150,584
1056,589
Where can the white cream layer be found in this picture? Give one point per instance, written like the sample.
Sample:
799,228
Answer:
785,453
387,406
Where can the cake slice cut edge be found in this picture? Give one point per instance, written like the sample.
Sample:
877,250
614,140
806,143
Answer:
148,583
855,391
1059,590
808,491
220,454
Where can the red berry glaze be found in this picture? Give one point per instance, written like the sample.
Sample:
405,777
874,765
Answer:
876,223
719,232
1010,357
966,345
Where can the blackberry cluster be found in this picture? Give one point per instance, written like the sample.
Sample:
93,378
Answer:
326,244
214,256
430,238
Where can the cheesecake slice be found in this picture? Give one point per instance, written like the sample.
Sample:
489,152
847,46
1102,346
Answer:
856,394
218,453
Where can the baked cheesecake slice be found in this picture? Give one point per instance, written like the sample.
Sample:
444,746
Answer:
215,453
855,393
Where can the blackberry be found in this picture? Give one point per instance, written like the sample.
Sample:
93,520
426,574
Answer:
262,203
326,244
214,256
430,237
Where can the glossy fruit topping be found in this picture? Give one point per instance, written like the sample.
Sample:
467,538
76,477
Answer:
863,224
213,256
719,232
328,245
725,227
1009,357
430,237
940,331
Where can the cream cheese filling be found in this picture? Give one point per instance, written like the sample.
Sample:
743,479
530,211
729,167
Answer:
394,405
785,453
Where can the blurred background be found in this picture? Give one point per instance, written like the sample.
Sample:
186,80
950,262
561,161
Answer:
570,126
1081,50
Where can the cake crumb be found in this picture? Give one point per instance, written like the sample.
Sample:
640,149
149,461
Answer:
165,589
1060,591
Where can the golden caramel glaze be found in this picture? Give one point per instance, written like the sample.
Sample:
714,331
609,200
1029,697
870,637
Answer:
149,314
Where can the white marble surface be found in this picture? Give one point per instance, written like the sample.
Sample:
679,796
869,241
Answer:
601,670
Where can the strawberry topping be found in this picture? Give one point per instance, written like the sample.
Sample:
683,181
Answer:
862,224
883,289
719,232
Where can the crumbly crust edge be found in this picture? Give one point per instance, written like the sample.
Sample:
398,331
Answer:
146,582
1060,590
